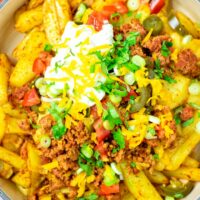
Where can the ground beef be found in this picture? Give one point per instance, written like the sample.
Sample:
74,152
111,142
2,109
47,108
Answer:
98,172
24,151
187,63
133,26
155,43
137,50
152,142
24,124
46,122
18,94
33,116
187,113
164,60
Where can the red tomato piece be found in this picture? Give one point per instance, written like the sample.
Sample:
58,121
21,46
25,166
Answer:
31,98
41,63
107,190
96,19
121,7
156,6
101,132
109,10
131,93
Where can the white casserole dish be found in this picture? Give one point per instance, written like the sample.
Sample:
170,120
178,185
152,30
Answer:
9,38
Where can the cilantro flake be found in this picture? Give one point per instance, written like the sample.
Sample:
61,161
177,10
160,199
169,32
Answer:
48,47
119,138
188,122
133,164
165,48
169,79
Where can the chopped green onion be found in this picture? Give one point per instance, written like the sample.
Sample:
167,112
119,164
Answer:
194,105
169,198
154,119
48,47
194,88
112,111
129,78
133,164
177,119
115,98
188,122
115,168
169,79
138,60
87,151
45,141
156,156
198,127
178,195
133,4
119,138
80,12
108,125
109,176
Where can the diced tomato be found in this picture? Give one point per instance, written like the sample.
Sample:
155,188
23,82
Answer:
103,152
131,93
41,63
31,98
96,19
109,10
107,190
101,132
121,7
156,6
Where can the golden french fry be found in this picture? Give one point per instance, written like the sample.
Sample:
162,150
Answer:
12,142
45,197
31,45
156,177
26,52
191,162
5,68
11,158
139,185
19,12
12,126
176,94
57,13
188,173
27,20
128,196
23,178
6,170
34,3
2,123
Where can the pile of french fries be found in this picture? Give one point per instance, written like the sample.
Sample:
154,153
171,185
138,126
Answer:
43,21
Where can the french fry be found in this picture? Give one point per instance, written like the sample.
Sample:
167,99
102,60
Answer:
191,162
12,126
128,196
139,185
5,68
11,158
32,44
27,20
2,123
57,13
19,12
12,142
156,177
6,170
45,197
34,3
188,173
183,151
22,178
26,53
176,95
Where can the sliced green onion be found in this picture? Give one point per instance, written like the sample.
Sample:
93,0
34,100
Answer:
115,168
45,141
133,164
39,82
129,78
115,99
80,12
186,39
194,88
108,125
198,127
154,119
169,198
194,105
188,122
48,47
133,4
113,111
138,60
121,91
109,176
87,151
